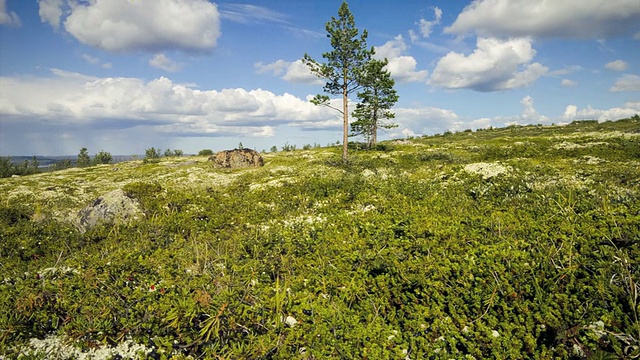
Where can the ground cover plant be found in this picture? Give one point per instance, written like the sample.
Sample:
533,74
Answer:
520,242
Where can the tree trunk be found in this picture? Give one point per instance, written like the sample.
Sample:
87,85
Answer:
345,125
374,136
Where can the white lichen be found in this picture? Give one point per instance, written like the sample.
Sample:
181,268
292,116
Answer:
55,347
487,170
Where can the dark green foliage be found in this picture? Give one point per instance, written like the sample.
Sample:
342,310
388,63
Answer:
377,97
288,147
205,152
152,155
146,193
8,169
102,157
83,158
173,153
62,164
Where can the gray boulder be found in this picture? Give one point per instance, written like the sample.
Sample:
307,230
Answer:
112,207
237,158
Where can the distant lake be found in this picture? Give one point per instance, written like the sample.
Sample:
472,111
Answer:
46,161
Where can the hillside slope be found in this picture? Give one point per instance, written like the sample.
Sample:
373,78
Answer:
521,242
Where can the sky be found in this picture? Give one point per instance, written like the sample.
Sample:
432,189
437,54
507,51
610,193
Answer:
126,75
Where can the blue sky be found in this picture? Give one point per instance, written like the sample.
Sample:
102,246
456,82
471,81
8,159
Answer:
126,75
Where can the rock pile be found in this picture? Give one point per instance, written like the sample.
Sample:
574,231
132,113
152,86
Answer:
236,158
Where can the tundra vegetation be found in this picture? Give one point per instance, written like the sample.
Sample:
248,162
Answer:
519,242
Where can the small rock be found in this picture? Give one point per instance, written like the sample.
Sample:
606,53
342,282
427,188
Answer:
290,320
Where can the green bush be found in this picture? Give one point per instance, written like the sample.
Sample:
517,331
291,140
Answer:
151,155
205,152
103,157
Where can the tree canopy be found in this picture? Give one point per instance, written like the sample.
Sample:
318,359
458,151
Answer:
376,99
344,65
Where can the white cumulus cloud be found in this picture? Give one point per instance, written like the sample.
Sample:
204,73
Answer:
628,110
593,19
141,25
618,65
50,11
426,25
295,72
161,61
8,18
402,67
277,67
423,120
69,98
298,72
494,65
628,82
568,83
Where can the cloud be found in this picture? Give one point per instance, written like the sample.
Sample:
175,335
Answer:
494,65
578,19
566,70
246,14
8,18
568,83
161,61
90,59
298,72
141,25
424,120
50,12
276,68
95,61
628,82
70,99
628,110
294,72
617,65
570,112
430,120
425,25
529,114
401,67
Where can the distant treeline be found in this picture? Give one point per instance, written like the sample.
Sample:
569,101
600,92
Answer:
24,165
27,167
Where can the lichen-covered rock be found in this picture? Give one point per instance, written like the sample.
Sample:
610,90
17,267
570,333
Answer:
236,158
487,170
114,206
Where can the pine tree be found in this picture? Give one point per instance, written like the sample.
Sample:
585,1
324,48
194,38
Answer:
376,99
102,157
83,158
344,64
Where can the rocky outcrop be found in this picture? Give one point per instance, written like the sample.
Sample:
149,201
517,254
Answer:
236,158
114,206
